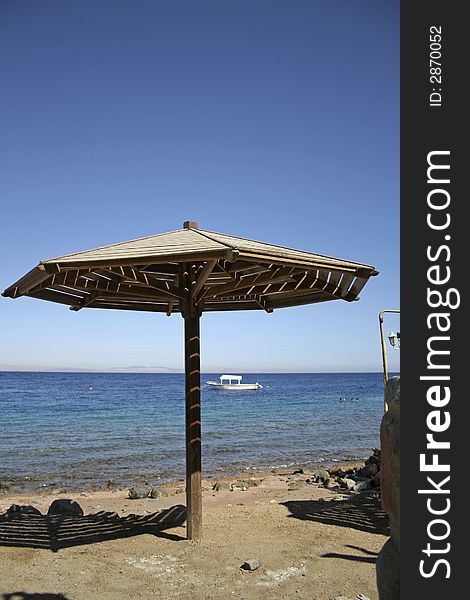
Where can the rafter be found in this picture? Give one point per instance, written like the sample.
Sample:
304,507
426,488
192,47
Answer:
151,281
277,275
202,277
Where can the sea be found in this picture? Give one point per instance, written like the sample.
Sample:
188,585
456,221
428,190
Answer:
85,431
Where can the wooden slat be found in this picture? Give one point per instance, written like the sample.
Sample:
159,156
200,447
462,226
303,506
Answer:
274,276
151,281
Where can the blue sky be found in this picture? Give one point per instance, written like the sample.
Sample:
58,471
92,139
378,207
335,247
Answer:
273,120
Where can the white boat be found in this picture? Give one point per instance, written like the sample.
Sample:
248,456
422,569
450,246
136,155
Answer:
226,383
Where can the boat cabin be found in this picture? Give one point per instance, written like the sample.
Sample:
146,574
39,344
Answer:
224,379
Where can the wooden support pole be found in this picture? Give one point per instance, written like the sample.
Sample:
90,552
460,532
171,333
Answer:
193,428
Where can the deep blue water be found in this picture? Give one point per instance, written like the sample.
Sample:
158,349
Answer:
130,427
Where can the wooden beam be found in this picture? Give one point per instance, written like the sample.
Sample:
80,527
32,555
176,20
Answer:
300,300
66,278
32,279
138,306
346,281
55,266
279,274
307,263
264,304
134,274
59,297
139,291
171,303
203,275
356,287
193,428
84,303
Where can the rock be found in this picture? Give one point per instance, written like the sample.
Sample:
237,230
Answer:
373,460
336,470
295,485
155,493
361,486
238,486
219,486
348,483
24,509
247,483
369,470
330,483
139,491
320,475
65,507
251,565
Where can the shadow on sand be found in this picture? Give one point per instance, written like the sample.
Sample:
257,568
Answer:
361,512
27,596
54,532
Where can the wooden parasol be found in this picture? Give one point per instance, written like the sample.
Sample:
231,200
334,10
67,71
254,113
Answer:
191,271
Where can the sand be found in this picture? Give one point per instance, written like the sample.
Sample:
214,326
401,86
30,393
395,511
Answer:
313,544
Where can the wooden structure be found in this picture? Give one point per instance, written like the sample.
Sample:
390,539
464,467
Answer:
190,271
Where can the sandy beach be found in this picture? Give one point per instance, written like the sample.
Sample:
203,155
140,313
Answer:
312,542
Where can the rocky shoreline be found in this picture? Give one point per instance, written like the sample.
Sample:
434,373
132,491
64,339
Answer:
335,470
285,533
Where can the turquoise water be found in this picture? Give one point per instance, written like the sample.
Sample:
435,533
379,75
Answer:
56,432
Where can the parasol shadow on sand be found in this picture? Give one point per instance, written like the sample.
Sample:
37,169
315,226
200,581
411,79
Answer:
362,512
191,271
54,532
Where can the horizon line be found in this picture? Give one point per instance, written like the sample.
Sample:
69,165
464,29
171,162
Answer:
180,372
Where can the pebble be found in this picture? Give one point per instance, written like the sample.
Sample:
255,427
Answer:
251,565
361,486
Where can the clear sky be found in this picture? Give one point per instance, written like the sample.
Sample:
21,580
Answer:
276,120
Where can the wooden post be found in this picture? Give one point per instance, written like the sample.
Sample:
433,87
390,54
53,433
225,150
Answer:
193,428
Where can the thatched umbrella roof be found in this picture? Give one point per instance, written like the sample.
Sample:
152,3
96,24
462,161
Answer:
190,271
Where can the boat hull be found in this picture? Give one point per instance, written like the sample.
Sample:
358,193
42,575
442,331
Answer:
234,386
